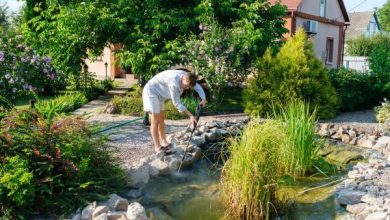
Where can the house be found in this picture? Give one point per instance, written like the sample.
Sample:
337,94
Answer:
107,65
363,24
325,21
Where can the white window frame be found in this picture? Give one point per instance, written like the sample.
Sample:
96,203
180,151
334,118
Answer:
323,8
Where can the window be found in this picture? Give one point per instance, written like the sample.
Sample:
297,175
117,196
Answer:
329,50
322,8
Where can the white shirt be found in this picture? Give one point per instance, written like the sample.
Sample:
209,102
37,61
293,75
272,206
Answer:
167,85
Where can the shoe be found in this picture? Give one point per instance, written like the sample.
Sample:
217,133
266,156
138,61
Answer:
167,147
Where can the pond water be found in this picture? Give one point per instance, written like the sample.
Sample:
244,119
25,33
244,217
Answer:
193,194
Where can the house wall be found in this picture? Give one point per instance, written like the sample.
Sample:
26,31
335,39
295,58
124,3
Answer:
333,10
97,67
324,31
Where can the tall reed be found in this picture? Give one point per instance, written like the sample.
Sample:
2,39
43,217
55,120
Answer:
299,122
249,177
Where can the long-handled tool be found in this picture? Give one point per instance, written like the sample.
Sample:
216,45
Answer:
197,114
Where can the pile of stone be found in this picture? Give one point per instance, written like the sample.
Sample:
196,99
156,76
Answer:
116,208
367,138
160,164
366,191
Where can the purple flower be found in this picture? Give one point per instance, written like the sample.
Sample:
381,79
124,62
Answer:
52,76
2,56
20,46
12,81
7,76
14,90
47,60
30,87
25,86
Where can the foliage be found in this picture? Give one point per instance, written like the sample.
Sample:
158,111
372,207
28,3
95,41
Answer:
294,73
364,46
264,156
299,124
379,62
130,104
172,113
383,111
48,109
355,89
154,33
384,16
23,70
250,176
57,163
66,30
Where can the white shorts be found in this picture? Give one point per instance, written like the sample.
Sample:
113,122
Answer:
151,102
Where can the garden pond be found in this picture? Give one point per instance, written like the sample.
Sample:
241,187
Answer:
193,194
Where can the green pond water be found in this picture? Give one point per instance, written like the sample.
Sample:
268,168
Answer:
193,194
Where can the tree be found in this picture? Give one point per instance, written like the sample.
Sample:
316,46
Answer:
293,73
364,46
154,33
4,23
384,16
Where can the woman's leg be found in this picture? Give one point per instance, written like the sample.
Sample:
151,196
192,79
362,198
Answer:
154,129
161,129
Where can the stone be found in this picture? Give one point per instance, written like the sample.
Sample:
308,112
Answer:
76,217
356,208
198,140
102,216
99,210
210,136
139,174
345,138
349,197
116,215
158,167
377,216
136,211
86,214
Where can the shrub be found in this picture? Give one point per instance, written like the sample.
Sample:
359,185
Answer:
57,163
22,70
294,73
383,111
355,89
364,46
61,104
130,104
379,62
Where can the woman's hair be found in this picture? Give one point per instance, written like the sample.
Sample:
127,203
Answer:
192,77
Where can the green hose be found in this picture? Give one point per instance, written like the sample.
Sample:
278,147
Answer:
119,125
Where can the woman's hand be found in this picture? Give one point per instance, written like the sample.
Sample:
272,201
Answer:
203,103
193,120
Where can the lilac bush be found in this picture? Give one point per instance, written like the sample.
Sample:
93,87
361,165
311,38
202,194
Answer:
23,70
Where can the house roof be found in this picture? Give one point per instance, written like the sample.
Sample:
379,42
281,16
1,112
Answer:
359,22
292,5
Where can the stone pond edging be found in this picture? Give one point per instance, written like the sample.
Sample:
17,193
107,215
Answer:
365,193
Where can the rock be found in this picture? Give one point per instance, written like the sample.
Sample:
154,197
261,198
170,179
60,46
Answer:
116,215
136,211
198,140
210,136
377,216
345,138
102,216
134,193
110,108
354,141
349,197
100,210
139,174
158,167
117,203
356,208
76,217
86,214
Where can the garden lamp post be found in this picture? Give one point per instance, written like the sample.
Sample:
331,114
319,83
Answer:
106,64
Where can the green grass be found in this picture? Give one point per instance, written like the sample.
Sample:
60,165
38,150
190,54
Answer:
250,176
24,102
299,124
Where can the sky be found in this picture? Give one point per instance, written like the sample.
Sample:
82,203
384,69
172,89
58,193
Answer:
351,5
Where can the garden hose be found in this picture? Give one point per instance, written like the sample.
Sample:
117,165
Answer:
198,112
119,125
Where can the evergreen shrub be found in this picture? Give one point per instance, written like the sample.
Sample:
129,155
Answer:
293,73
